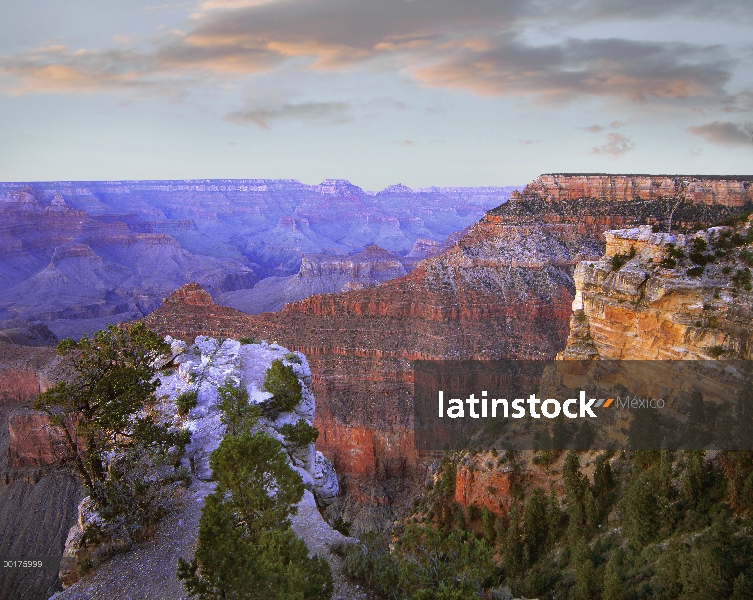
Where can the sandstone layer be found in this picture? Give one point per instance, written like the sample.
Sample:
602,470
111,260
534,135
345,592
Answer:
646,310
504,290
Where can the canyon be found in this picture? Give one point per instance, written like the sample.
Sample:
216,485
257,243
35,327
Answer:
503,290
76,256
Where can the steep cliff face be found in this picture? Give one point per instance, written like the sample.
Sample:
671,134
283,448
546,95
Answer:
504,290
661,304
728,191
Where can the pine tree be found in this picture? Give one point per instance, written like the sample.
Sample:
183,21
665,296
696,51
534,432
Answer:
640,508
559,433
612,587
512,549
535,523
488,523
246,548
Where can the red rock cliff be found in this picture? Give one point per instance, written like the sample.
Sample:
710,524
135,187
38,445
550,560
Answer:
504,290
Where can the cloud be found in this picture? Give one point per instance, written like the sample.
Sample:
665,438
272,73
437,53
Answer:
742,102
593,128
474,46
616,146
636,70
725,133
333,112
529,142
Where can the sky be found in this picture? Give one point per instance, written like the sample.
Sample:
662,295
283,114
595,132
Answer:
419,92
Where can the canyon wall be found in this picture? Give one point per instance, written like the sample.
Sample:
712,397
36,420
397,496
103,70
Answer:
724,190
503,290
654,309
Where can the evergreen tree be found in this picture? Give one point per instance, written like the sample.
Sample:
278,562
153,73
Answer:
612,588
559,433
535,523
100,408
282,382
237,414
640,508
512,549
575,482
488,524
246,548
554,517
693,478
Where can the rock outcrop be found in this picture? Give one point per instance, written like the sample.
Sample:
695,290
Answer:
657,307
503,290
203,367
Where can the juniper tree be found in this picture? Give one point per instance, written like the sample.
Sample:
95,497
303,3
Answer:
282,382
102,409
246,548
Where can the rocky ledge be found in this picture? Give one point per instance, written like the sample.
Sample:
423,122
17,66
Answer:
203,367
665,296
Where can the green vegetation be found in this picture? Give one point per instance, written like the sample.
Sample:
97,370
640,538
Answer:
652,525
282,382
292,357
112,440
300,434
237,414
619,260
246,548
246,341
186,401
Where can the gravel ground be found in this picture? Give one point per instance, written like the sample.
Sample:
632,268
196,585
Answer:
148,570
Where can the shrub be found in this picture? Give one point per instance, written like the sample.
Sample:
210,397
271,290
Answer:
300,434
669,262
716,351
695,271
246,340
292,357
747,257
101,406
186,401
282,382
619,260
741,277
238,415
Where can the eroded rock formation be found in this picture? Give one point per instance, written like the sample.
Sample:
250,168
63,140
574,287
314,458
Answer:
503,290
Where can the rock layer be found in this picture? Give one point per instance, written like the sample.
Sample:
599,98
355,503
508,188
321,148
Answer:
504,290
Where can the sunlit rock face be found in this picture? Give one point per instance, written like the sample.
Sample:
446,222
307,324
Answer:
503,289
646,310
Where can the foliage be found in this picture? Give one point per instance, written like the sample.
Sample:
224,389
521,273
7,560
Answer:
300,434
619,260
245,341
238,415
246,548
424,564
186,401
282,382
103,410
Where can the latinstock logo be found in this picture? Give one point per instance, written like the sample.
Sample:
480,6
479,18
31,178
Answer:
630,405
